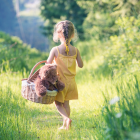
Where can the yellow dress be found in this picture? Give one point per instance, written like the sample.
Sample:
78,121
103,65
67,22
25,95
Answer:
66,66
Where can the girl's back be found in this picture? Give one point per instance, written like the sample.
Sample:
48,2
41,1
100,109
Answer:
62,48
66,65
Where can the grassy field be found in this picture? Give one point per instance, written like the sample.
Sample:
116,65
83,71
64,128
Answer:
22,119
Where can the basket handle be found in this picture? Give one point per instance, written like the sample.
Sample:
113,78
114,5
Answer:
44,61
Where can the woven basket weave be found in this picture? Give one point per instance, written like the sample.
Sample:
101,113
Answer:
28,89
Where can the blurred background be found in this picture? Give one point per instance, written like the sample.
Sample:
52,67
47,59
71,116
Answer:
33,20
21,18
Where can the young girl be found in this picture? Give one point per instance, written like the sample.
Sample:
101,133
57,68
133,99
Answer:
65,56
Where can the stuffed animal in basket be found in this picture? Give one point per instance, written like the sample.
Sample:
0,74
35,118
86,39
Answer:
48,80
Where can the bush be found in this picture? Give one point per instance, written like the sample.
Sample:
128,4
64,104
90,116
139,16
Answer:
124,53
13,52
16,55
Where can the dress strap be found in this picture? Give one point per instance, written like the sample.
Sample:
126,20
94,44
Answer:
57,50
76,51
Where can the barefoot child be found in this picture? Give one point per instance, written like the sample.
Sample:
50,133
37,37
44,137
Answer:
65,56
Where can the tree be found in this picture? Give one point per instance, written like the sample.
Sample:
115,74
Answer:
98,23
102,14
57,10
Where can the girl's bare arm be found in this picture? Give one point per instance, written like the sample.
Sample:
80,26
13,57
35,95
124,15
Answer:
51,56
79,59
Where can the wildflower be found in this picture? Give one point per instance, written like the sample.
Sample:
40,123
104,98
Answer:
114,100
118,115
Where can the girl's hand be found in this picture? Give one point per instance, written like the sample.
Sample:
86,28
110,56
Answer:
79,59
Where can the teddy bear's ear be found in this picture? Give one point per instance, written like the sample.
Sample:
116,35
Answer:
50,65
55,65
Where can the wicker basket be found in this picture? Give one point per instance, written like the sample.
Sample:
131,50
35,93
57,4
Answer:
28,89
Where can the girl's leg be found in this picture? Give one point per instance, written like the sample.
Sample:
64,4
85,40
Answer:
62,111
67,107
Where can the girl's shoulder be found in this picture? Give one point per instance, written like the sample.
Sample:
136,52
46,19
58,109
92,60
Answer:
54,50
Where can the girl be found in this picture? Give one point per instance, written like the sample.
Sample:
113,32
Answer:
65,56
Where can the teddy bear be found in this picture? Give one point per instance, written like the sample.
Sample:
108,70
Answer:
48,80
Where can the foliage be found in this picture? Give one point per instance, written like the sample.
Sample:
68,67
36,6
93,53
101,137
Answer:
124,52
102,14
125,7
91,18
12,51
57,10
98,23
16,55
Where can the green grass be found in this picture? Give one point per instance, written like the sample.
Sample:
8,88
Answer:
22,119
122,114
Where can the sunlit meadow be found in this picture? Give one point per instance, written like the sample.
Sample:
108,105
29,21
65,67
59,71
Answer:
22,119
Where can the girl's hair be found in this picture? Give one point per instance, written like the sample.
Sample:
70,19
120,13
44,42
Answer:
66,29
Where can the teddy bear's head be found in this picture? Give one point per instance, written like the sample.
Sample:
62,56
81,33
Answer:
49,72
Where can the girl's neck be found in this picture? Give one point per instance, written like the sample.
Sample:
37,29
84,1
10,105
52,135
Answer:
63,42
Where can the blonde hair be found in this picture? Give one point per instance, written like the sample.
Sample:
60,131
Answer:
67,29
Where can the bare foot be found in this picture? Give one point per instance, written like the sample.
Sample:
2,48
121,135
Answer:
68,123
62,127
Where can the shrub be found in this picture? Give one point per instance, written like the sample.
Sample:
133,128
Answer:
124,53
13,52
16,55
